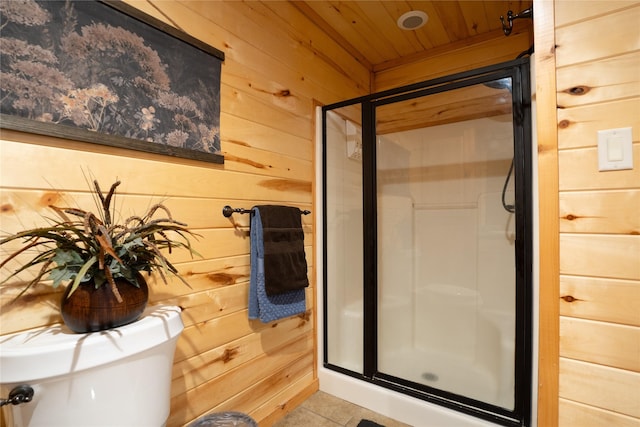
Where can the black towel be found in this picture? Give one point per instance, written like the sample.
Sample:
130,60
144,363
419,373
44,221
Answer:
285,265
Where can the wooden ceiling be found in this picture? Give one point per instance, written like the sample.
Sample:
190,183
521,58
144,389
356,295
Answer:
368,29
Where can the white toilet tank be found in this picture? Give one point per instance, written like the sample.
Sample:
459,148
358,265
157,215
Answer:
115,378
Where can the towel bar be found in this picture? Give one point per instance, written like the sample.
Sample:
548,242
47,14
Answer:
227,211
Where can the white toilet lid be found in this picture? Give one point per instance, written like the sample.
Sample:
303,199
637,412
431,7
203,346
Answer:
55,350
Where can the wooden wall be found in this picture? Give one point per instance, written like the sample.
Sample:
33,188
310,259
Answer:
598,87
278,66
548,228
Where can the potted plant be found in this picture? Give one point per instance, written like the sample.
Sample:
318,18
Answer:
100,259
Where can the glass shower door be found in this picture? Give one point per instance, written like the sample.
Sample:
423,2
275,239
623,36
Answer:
427,241
446,244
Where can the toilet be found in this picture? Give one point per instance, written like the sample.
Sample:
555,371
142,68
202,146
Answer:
118,377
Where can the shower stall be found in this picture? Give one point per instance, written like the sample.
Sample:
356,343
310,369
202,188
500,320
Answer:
427,242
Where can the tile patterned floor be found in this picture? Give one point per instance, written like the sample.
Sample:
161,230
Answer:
325,410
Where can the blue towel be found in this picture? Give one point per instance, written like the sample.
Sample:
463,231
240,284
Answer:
262,306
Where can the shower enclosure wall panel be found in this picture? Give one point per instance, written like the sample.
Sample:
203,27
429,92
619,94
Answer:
344,207
395,212
395,311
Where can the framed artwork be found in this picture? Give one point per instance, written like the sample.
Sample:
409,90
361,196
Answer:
106,73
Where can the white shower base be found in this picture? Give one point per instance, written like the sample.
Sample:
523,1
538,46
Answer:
445,371
398,406
468,374
475,367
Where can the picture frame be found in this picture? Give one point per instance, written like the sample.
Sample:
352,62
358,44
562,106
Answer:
107,73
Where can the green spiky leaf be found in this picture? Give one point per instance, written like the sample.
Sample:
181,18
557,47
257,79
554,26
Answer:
79,245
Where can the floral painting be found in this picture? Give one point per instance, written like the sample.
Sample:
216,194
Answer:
87,65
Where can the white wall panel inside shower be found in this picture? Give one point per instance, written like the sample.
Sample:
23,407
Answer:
344,227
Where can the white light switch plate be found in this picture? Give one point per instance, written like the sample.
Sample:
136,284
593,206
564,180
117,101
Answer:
615,149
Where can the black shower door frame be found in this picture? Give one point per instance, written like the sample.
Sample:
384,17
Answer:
518,71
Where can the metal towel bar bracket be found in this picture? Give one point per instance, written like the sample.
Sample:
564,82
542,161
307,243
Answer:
227,211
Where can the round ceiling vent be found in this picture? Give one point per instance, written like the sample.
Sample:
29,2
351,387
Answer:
412,20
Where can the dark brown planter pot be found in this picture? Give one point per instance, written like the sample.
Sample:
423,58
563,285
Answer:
89,309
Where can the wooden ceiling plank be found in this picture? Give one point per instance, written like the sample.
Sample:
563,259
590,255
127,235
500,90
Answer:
416,39
439,50
329,29
358,30
475,17
450,15
378,14
382,32
421,35
434,29
493,11
367,29
313,37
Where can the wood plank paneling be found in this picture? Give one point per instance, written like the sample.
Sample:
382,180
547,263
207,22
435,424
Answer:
275,72
277,398
369,29
487,52
210,363
358,29
607,300
603,343
475,17
282,62
598,57
579,126
600,386
583,44
284,402
600,255
547,142
600,80
574,414
567,12
246,133
26,208
579,171
142,176
613,212
237,100
277,370
278,65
